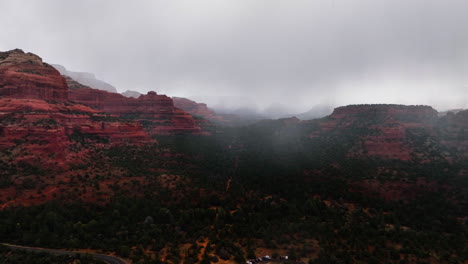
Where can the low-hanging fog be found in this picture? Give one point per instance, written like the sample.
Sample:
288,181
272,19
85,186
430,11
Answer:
273,56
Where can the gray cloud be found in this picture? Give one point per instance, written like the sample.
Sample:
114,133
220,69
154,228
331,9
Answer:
256,53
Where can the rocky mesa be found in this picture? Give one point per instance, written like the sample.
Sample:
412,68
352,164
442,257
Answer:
383,131
34,107
157,112
25,75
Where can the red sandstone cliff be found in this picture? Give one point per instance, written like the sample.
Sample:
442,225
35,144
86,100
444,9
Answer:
56,136
24,75
34,110
48,142
386,128
405,113
158,111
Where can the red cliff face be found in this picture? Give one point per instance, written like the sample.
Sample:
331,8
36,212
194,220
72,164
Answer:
387,126
55,135
55,124
24,75
47,138
347,115
157,111
48,142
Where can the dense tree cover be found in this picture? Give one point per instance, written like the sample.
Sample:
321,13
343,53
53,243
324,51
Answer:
266,185
10,256
418,229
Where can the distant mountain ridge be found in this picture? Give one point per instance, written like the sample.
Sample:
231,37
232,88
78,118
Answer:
86,78
317,111
133,94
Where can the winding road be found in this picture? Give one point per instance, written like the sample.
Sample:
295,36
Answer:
106,258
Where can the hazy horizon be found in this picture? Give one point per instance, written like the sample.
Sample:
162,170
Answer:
289,55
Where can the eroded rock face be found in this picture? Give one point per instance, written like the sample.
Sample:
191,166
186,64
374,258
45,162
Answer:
404,113
24,75
48,142
54,135
33,119
156,111
382,131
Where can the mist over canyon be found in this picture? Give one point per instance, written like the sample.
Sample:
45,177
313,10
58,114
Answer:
234,132
265,56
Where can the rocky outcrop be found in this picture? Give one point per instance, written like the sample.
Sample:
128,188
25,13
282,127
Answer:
197,109
55,123
48,142
454,131
355,116
53,135
86,78
382,131
24,75
34,107
157,111
380,112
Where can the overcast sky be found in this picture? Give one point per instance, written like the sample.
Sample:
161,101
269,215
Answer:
290,54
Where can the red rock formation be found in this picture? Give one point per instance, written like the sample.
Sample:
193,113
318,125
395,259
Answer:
405,113
25,115
389,125
157,110
24,75
46,141
55,135
33,119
